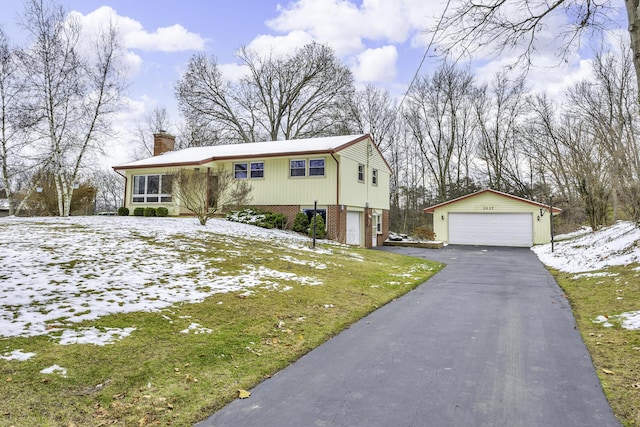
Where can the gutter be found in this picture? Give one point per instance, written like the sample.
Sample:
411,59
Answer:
338,224
124,201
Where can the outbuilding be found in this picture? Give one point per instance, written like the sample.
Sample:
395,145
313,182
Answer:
492,218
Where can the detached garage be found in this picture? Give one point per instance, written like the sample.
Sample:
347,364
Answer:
492,218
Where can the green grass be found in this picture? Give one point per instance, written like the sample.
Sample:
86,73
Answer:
615,351
160,376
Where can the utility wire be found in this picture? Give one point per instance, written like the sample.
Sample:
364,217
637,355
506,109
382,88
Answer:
424,57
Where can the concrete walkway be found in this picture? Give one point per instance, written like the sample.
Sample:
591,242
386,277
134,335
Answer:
488,341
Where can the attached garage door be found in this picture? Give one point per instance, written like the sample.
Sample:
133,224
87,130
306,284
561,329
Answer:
495,229
353,228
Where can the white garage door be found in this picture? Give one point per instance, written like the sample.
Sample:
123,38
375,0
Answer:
353,228
495,229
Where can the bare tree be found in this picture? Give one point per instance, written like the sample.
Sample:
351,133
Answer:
520,25
13,160
206,193
74,88
280,98
372,111
439,116
155,121
499,108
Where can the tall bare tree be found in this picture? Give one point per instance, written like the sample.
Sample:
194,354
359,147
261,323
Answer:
155,121
499,109
438,113
75,86
12,139
520,25
372,111
280,98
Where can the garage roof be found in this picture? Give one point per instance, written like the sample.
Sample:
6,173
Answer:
431,209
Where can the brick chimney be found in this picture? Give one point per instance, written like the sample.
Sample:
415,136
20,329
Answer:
163,142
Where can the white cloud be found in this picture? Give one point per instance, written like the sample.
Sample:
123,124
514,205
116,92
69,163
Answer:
174,38
280,45
234,72
376,65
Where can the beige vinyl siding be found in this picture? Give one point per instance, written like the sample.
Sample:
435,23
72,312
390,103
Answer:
492,203
278,188
357,193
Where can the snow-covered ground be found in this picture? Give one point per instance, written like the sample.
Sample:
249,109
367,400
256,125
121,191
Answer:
55,272
586,253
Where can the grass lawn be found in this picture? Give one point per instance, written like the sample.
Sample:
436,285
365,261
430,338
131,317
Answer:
183,362
615,351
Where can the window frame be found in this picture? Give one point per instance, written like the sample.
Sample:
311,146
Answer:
314,168
378,223
374,177
361,172
259,171
303,168
237,170
158,194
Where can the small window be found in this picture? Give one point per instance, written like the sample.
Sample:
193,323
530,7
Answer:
298,167
316,167
374,177
360,172
240,170
257,170
379,224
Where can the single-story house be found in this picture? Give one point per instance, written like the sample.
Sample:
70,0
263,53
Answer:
492,218
346,176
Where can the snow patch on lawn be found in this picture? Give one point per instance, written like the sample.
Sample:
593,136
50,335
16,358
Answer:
585,254
94,336
62,271
17,355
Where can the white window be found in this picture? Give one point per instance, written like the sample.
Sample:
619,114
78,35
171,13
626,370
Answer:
316,167
374,176
152,188
360,172
257,169
379,224
240,170
298,168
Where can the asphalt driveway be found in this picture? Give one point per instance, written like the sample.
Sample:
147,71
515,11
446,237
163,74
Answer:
488,341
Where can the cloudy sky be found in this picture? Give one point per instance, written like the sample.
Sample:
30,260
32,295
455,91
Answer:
382,41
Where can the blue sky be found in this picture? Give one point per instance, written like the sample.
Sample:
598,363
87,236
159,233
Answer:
382,41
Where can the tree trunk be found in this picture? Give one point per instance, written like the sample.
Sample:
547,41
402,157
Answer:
633,15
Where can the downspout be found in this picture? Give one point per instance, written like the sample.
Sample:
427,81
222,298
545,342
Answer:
338,225
124,201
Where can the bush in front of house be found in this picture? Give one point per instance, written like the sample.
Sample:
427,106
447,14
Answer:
320,231
138,212
162,211
149,212
424,233
123,211
301,223
262,219
274,220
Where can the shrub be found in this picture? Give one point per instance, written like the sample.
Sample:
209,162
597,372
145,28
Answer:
320,231
149,211
273,220
162,211
259,218
424,233
138,211
123,211
301,223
